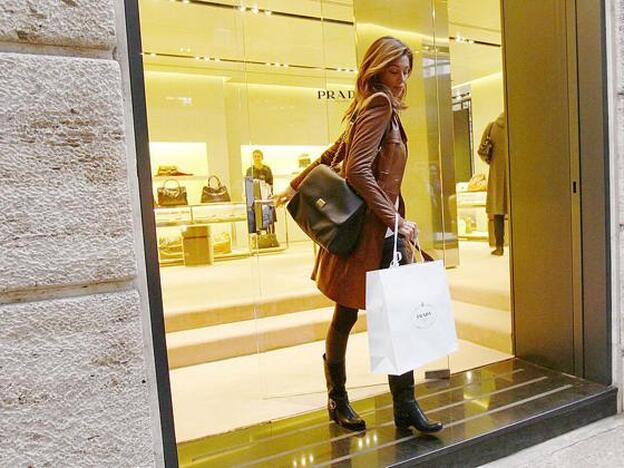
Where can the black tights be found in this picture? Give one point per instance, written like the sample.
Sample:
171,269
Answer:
499,230
338,334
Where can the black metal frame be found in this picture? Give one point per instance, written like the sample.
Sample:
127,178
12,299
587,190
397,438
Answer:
595,189
150,241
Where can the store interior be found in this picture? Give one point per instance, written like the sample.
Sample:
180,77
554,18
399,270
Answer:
226,79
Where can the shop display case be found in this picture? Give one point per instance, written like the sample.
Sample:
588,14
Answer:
204,233
472,219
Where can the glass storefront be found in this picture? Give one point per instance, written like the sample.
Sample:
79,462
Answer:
240,97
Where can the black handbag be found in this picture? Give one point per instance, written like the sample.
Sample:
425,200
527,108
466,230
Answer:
486,148
328,210
172,196
218,194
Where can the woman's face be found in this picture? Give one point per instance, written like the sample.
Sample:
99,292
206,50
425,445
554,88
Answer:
395,75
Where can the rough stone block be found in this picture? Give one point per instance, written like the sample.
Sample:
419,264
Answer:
73,388
73,23
64,201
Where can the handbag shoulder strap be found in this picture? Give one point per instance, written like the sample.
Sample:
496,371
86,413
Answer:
164,184
341,152
214,177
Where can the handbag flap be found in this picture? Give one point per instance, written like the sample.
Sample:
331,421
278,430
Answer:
330,194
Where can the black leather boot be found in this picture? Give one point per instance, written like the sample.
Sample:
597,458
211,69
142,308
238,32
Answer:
407,412
338,405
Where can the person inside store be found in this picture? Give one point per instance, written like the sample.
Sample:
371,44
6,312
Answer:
496,205
259,170
374,164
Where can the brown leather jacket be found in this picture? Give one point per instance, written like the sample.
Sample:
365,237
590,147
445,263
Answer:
376,176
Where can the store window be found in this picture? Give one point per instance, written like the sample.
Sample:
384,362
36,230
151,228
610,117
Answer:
240,97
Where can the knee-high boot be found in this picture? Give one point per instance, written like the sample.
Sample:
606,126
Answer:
338,405
407,412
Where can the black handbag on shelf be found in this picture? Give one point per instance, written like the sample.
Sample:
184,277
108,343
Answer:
171,196
218,194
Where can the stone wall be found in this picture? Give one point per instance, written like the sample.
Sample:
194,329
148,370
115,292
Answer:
74,378
615,36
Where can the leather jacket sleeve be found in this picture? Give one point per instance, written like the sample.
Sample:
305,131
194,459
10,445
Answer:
370,127
326,158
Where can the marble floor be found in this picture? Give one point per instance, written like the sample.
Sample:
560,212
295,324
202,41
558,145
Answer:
487,413
215,397
224,395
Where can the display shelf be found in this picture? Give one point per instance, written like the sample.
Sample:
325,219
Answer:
184,177
201,205
268,250
201,222
474,235
237,253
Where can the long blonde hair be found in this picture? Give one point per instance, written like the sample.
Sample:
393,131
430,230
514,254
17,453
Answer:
379,55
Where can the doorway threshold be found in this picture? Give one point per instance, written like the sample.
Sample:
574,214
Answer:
488,412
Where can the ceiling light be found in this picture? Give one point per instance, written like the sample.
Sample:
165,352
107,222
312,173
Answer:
152,54
186,1
255,10
217,59
242,8
267,12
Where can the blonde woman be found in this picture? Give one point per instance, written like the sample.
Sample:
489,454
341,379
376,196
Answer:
374,164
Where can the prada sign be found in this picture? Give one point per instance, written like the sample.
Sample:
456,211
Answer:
333,95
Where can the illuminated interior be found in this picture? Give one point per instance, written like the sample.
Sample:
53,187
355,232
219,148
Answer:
245,324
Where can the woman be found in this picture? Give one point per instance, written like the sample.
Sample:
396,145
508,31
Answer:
374,164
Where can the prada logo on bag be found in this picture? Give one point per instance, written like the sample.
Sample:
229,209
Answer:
423,315
320,203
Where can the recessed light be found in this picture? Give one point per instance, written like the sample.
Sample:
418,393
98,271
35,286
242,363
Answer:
255,10
267,12
242,8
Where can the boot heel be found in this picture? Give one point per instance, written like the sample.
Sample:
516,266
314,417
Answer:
402,422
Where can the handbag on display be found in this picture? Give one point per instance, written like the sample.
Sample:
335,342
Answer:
222,243
478,183
264,241
409,313
486,148
170,249
171,196
170,170
215,194
327,209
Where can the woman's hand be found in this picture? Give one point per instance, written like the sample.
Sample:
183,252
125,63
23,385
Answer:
284,197
408,229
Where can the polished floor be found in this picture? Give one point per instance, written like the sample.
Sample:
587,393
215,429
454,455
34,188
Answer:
228,350
224,395
487,403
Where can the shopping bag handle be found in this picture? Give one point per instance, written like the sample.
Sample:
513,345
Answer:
396,255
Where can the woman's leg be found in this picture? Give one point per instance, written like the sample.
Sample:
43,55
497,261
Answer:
338,405
338,334
499,234
406,410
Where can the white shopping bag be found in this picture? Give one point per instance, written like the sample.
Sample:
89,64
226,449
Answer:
409,314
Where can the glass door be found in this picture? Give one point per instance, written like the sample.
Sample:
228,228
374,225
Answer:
241,96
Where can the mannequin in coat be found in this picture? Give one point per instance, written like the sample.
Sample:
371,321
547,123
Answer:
498,190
